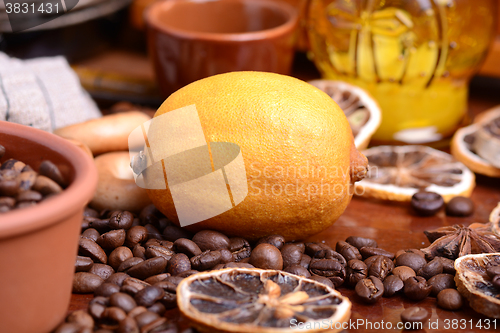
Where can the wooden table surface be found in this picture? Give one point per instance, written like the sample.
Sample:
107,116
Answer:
395,227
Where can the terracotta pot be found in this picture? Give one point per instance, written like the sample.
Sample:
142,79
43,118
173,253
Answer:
192,39
38,245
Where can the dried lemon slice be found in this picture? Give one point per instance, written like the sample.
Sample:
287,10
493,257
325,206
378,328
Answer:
255,300
462,145
361,110
398,172
475,285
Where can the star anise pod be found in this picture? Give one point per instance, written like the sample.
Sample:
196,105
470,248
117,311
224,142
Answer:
456,241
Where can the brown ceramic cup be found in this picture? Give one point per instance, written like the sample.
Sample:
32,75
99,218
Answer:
192,39
38,244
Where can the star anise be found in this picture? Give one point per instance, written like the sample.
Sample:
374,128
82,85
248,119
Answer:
456,241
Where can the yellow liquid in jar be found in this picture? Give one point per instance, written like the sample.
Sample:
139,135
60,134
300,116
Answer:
414,57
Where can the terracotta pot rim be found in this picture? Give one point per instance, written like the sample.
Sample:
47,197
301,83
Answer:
152,22
58,208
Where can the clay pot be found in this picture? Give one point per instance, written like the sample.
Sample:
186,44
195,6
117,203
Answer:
38,245
192,39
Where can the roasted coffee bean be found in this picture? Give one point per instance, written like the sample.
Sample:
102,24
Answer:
158,251
119,255
367,251
129,263
91,234
139,251
153,232
173,233
137,311
178,264
81,318
97,306
89,248
148,268
148,213
493,271
319,250
46,186
136,235
322,279
414,314
392,285
128,325
403,272
291,255
381,267
266,256
117,278
121,220
24,204
9,187
158,242
27,180
235,265
112,239
167,286
356,270
12,164
7,201
114,315
297,270
157,278
186,246
412,260
329,268
149,295
106,289
132,285
416,251
440,282
158,324
276,240
240,248
29,195
83,264
68,328
206,260
226,256
188,273
158,308
369,290
460,206
432,268
448,265
496,281
360,242
102,270
90,212
416,288
305,260
370,260
145,318
348,251
101,225
85,283
211,240
426,203
50,170
174,279
449,299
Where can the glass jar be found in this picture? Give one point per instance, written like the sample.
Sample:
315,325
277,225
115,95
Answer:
415,57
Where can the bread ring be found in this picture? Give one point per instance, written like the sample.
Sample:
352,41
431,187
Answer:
105,134
116,189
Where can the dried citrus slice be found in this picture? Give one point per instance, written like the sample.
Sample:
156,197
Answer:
255,300
361,110
462,145
398,172
495,219
475,285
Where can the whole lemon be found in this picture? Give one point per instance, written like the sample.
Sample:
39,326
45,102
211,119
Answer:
297,148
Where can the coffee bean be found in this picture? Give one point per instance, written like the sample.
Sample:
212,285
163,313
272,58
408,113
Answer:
381,267
348,251
305,260
369,290
416,288
121,220
106,289
149,267
158,251
367,251
27,180
149,295
7,201
448,265
117,278
119,255
266,256
129,263
9,187
157,278
137,311
392,285
414,314
297,270
360,242
319,250
29,195
102,270
91,249
158,242
426,203
356,270
139,251
68,328
85,283
329,268
276,240
178,264
83,264
432,268
235,265
173,233
440,282
493,271
148,213
112,239
322,279
240,248
412,260
158,308
226,256
403,272
90,212
128,325
206,260
496,281
97,306
449,299
186,246
91,234
460,206
291,255
136,235
211,240
145,318
153,232
370,260
81,318
115,315
101,225
416,251
46,186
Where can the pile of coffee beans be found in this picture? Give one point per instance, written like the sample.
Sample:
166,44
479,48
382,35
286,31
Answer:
133,264
21,186
426,203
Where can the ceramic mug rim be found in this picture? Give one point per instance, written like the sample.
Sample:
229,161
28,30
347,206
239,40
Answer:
292,18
